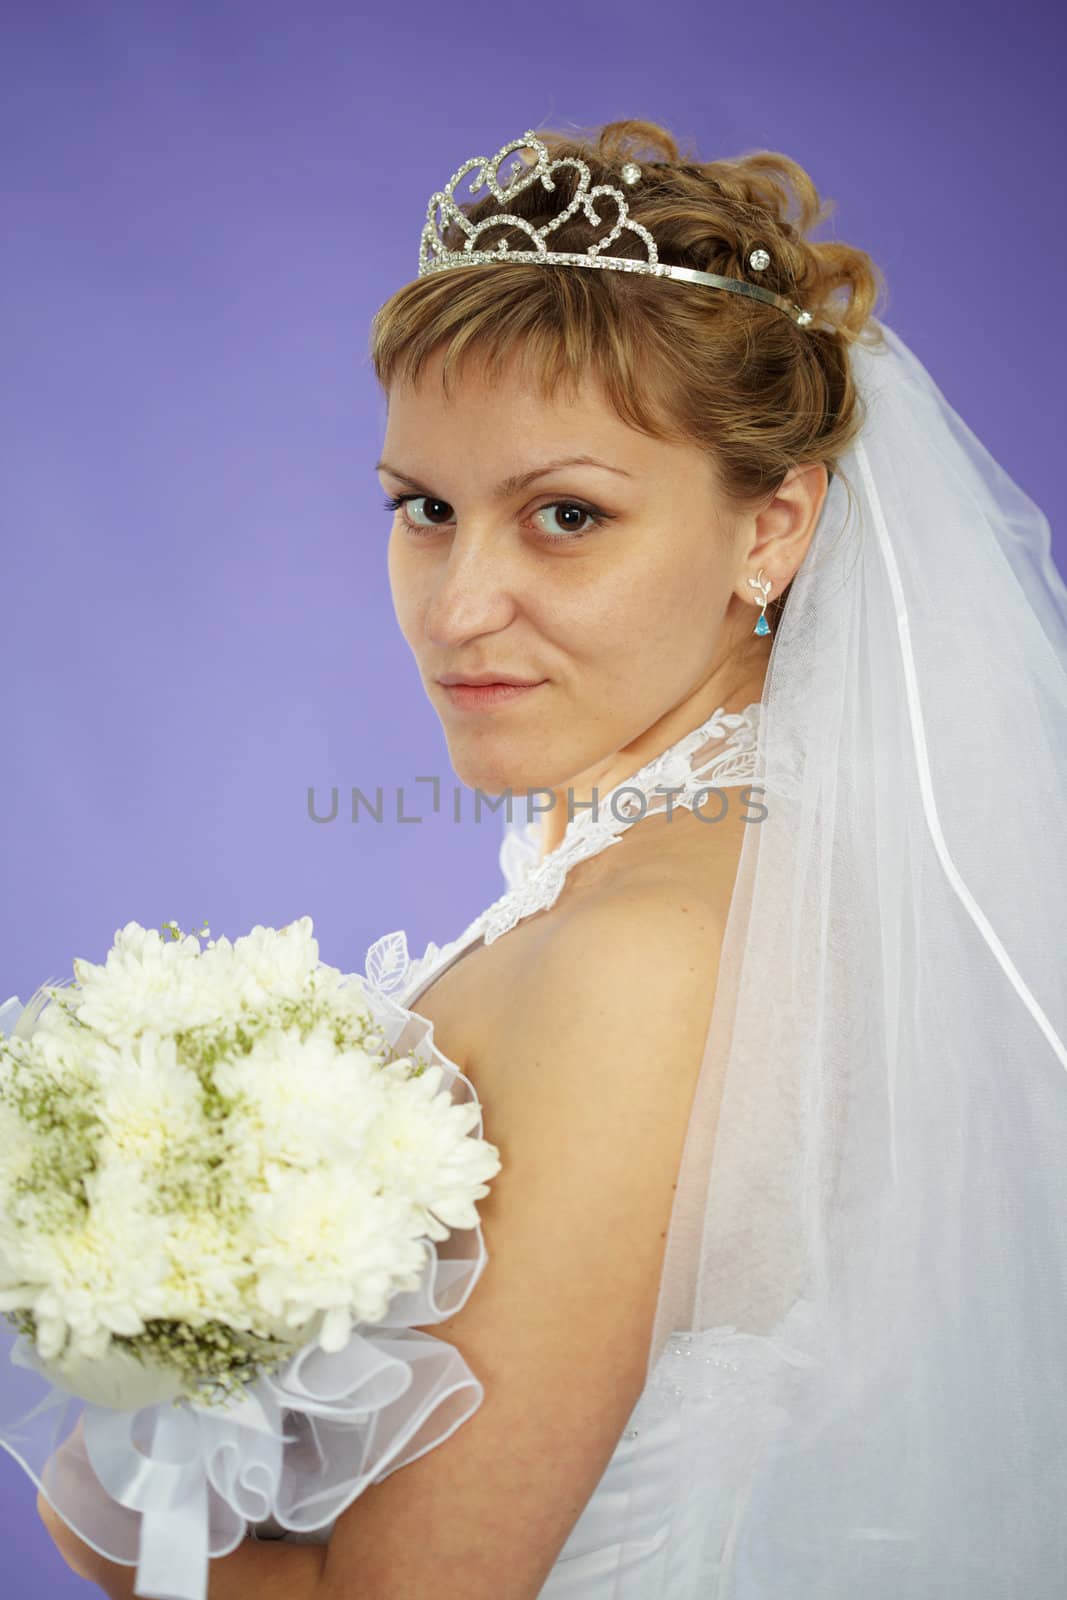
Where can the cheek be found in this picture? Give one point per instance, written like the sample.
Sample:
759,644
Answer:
599,613
402,586
694,584
611,624
667,610
648,600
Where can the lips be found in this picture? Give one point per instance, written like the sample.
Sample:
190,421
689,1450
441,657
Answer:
483,696
484,680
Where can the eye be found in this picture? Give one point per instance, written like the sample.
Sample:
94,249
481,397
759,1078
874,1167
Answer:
573,508
400,502
598,518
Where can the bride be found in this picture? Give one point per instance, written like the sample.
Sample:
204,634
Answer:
769,1023
775,1060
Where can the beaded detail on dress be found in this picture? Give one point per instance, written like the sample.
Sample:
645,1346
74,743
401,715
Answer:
719,753
721,1362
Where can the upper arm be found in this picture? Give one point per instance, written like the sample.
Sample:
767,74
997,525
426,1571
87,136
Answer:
586,1090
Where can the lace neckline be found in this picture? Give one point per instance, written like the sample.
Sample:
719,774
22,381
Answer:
719,752
677,776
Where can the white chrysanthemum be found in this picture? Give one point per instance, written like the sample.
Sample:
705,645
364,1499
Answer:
206,1266
302,1101
422,1149
92,1278
66,1053
325,1240
145,981
271,963
149,1102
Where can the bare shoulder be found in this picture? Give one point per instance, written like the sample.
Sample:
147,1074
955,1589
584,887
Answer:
586,1080
641,951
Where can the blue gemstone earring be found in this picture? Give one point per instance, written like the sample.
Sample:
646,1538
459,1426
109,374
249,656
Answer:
764,587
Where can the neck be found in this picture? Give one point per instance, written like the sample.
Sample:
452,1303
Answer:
732,687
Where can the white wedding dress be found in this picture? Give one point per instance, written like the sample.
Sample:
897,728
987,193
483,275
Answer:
638,1486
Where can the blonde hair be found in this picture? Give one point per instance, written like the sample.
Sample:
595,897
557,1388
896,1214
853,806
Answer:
723,372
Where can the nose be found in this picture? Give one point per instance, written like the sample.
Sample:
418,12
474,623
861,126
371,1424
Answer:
473,588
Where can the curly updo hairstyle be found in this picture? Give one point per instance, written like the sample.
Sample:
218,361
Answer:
723,372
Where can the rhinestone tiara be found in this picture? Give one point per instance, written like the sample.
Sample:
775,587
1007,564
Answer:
443,210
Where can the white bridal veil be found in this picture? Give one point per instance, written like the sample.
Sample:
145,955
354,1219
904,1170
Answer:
862,1321
863,1313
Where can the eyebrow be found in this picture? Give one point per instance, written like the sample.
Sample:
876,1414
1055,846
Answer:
518,480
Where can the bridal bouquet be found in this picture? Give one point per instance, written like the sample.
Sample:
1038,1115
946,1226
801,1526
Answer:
222,1185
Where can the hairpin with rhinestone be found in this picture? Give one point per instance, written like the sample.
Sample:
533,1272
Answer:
442,210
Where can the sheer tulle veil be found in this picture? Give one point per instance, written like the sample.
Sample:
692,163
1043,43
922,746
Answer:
864,1292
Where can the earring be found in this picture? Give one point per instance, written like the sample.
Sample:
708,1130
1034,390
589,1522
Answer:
764,586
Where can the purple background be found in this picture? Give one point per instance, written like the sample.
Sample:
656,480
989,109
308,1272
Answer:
203,205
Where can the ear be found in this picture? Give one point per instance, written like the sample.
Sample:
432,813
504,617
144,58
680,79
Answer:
776,537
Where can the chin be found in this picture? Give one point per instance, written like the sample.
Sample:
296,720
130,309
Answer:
494,771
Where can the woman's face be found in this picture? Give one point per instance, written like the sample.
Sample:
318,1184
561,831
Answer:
635,629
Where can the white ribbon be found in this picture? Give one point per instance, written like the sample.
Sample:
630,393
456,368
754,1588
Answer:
10,1012
296,1448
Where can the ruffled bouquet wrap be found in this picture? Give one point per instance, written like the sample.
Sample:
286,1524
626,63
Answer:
233,1183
